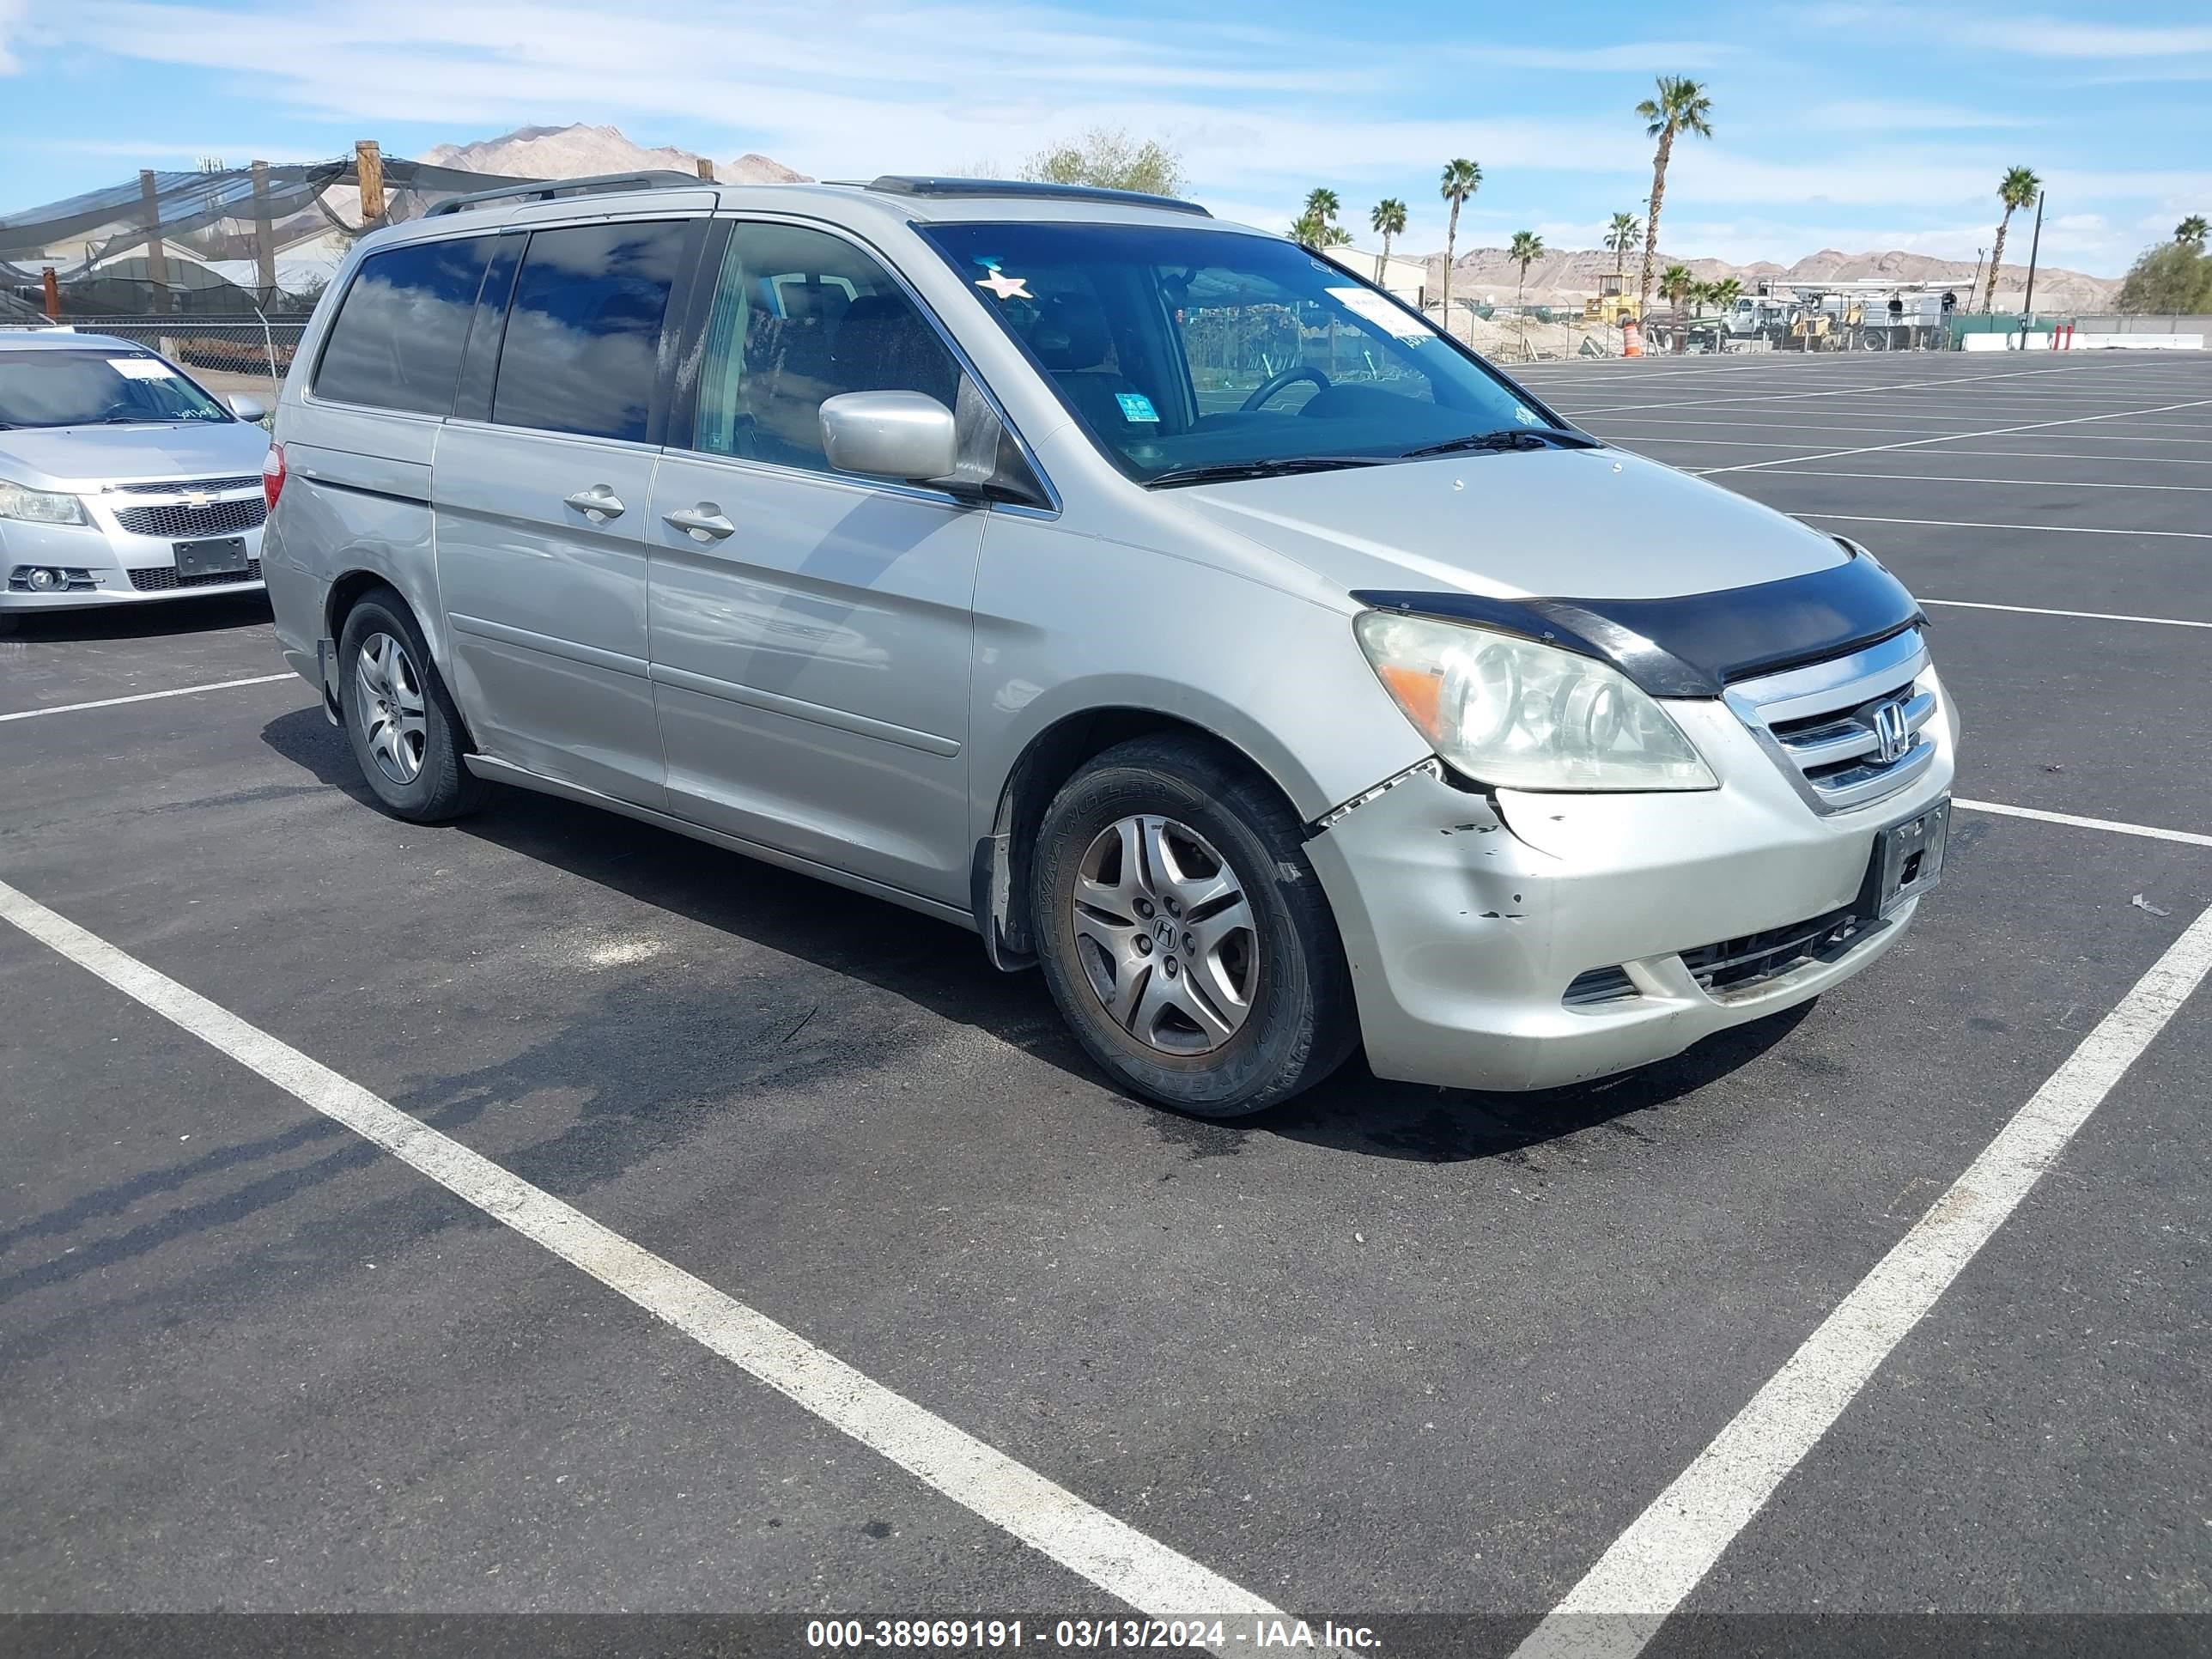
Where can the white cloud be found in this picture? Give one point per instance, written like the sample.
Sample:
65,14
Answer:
12,13
1625,57
2067,37
1893,115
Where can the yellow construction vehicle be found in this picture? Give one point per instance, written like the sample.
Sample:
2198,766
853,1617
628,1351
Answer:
1611,307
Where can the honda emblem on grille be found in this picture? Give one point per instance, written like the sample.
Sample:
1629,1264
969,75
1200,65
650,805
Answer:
1889,731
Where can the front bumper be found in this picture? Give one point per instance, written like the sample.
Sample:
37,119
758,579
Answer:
1466,917
109,555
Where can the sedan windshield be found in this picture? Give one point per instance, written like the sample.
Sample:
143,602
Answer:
97,388
1198,355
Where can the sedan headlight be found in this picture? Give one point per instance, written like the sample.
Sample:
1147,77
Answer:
1511,712
40,506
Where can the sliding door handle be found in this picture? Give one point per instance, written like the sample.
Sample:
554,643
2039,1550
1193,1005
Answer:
598,503
703,523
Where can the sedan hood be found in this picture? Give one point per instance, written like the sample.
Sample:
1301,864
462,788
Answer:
1582,524
48,458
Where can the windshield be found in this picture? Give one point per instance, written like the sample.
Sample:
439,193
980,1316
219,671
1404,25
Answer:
1193,353
97,388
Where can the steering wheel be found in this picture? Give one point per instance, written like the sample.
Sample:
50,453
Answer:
1275,383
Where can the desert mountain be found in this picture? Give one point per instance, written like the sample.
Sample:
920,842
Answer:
574,152
1564,277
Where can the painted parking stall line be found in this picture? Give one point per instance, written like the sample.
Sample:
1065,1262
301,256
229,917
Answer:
2110,826
1110,1553
146,696
2034,528
1919,443
2083,616
1619,1604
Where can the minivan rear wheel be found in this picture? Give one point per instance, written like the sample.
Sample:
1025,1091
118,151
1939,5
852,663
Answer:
1183,932
406,734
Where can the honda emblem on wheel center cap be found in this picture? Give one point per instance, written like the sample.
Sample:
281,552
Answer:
1163,930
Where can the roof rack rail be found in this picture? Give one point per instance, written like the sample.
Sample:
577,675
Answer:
901,184
547,190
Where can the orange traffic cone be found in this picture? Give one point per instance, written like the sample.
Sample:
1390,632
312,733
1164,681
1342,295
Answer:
1631,338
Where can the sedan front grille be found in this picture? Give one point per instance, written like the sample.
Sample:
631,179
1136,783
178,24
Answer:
1848,731
181,520
164,578
182,486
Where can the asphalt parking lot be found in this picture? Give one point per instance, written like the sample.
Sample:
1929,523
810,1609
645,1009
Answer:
1390,1357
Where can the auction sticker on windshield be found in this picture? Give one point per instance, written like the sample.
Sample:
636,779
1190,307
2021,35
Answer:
141,368
1372,307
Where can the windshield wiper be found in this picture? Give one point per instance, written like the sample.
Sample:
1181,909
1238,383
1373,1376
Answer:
1222,471
1511,437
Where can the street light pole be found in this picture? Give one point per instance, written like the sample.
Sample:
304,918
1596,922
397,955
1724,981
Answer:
2035,246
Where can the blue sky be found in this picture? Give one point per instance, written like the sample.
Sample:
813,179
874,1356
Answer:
1843,124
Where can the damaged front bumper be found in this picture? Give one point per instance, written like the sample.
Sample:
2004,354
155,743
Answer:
1510,940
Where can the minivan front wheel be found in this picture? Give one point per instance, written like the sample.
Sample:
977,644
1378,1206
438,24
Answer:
1184,935
405,731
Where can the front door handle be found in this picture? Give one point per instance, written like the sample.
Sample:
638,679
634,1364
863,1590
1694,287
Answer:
703,523
598,503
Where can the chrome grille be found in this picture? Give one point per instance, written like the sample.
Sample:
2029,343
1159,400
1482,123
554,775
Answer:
179,520
1848,731
179,486
164,578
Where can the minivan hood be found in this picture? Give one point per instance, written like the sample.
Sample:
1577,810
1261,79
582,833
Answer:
45,458
1565,523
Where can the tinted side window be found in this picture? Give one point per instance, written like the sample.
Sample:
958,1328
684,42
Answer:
397,342
800,316
583,334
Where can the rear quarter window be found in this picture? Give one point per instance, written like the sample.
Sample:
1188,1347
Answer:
396,342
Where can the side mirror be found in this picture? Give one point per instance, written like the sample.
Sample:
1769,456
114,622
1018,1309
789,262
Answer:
890,434
248,409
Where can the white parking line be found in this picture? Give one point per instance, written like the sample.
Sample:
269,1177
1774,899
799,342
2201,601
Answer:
2112,826
1637,439
2014,483
1839,392
1983,523
146,696
1921,443
1941,434
1112,1555
1620,1602
2085,616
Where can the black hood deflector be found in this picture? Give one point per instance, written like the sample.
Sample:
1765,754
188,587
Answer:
1699,644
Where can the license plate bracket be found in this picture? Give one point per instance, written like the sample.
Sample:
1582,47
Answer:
213,555
1907,861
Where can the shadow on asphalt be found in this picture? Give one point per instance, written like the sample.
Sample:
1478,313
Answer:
155,620
939,967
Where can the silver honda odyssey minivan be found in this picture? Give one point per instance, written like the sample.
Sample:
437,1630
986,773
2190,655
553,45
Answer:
1155,598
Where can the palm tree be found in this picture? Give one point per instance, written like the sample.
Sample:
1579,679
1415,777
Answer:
1677,285
1461,179
1620,237
1309,229
1681,106
2015,189
1323,201
1528,248
2191,230
1726,292
1389,219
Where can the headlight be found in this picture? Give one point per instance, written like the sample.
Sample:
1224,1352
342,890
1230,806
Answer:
40,506
1521,715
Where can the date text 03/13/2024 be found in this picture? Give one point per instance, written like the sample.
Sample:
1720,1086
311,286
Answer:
1254,1633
